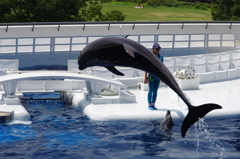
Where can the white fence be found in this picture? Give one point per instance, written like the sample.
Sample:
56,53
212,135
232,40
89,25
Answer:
55,43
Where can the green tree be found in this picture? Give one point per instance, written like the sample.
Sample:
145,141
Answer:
50,10
91,11
114,15
226,10
39,10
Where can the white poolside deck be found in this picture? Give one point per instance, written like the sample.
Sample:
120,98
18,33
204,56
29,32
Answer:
224,93
134,106
126,106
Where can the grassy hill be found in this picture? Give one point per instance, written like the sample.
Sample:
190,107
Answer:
160,13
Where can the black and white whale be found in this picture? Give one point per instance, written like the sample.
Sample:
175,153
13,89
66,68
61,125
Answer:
117,51
167,122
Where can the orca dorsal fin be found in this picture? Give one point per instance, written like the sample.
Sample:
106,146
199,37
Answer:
114,70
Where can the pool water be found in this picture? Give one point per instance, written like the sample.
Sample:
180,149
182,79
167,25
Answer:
62,131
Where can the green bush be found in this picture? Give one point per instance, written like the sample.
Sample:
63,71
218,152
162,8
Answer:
114,15
175,3
227,10
153,3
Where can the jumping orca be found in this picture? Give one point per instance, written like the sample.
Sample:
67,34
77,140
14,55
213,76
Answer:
167,122
118,51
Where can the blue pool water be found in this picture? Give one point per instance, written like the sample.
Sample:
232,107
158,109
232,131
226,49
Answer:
62,131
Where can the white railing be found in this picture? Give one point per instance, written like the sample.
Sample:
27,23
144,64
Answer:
55,43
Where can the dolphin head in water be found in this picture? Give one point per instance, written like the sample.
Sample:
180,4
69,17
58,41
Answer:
167,122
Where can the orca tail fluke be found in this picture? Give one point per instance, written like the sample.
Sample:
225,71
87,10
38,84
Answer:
195,113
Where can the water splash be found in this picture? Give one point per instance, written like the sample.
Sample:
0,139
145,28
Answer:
201,129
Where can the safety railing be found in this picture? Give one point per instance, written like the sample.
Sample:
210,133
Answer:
46,41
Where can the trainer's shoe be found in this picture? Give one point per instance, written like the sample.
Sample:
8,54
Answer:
152,107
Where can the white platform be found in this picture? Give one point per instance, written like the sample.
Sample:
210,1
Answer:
225,94
127,104
21,116
44,81
188,84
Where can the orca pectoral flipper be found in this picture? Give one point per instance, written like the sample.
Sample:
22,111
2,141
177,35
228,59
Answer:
114,70
195,113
